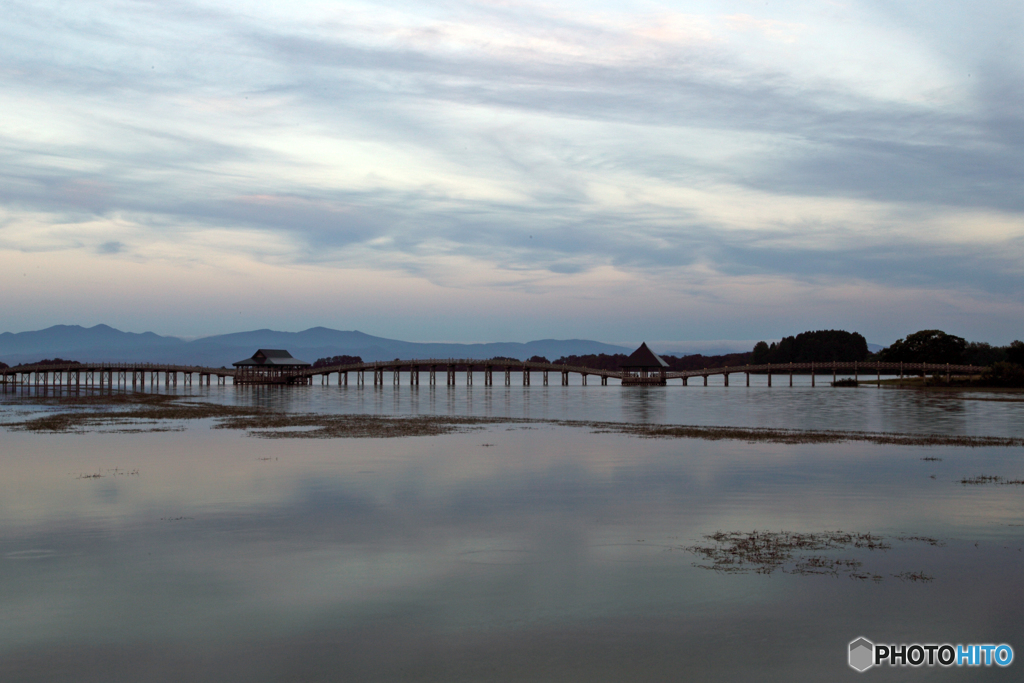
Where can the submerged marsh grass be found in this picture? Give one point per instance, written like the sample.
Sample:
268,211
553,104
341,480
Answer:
138,412
765,552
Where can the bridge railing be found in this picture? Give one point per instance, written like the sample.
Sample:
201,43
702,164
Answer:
775,368
455,362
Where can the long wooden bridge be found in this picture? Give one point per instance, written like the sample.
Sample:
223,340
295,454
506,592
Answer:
121,375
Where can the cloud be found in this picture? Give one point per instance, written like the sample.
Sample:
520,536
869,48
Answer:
516,146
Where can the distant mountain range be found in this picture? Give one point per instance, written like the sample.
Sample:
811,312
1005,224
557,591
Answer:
104,343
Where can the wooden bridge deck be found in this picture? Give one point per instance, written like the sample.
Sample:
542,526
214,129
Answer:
122,374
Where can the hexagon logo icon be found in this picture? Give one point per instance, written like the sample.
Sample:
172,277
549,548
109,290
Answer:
862,654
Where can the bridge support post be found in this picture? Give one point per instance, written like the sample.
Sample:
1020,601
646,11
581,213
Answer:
565,378
748,378
726,376
508,376
545,378
488,375
583,377
526,377
604,380
878,374
833,373
705,379
432,378
791,373
686,381
769,374
469,375
396,376
812,374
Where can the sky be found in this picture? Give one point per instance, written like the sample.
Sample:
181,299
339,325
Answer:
499,170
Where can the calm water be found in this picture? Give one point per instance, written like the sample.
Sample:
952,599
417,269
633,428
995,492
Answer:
513,553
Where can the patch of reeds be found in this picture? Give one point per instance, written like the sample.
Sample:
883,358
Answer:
846,382
128,411
765,552
274,425
798,436
981,479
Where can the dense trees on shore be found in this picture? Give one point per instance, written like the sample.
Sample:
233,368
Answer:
822,346
336,360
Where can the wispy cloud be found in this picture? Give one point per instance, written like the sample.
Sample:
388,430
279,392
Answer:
555,152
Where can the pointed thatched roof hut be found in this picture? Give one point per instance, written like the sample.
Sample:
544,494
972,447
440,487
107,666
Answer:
644,367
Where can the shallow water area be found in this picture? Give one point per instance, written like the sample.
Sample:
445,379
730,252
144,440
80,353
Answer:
510,551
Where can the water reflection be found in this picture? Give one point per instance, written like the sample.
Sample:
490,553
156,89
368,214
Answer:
548,554
644,404
798,407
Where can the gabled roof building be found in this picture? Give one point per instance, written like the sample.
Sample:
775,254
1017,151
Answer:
644,368
271,366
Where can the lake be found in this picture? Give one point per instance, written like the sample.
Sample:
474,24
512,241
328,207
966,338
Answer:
518,551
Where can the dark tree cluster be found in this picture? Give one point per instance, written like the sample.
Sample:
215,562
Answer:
1015,353
604,361
926,346
598,361
336,360
50,361
1004,374
698,361
821,346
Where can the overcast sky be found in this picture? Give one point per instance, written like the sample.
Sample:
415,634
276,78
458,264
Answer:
506,171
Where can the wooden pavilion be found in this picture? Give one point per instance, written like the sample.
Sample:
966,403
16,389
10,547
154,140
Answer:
271,366
644,368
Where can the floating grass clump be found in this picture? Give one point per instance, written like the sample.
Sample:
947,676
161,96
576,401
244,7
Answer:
133,412
798,436
765,552
990,479
981,479
272,425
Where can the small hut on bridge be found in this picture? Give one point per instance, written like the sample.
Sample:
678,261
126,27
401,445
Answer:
644,368
271,366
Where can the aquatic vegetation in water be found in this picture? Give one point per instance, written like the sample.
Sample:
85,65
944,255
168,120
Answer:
990,479
765,552
137,412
